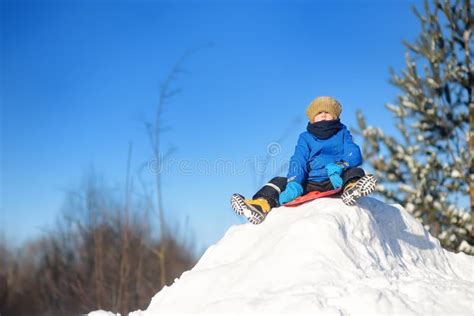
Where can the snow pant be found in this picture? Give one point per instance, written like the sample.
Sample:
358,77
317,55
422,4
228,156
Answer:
271,191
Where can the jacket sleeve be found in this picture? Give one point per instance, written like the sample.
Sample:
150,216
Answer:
352,154
298,168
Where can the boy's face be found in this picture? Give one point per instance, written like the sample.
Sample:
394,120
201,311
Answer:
323,116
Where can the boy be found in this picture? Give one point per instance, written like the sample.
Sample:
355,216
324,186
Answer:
325,159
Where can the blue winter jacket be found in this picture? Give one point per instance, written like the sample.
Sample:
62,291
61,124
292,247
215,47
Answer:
313,154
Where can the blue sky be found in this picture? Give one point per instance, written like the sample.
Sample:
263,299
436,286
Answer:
79,78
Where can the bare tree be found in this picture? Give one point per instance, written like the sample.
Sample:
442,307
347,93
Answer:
154,132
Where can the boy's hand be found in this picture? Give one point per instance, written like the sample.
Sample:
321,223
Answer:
292,191
334,172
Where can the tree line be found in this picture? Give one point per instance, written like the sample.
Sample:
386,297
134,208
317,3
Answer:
95,257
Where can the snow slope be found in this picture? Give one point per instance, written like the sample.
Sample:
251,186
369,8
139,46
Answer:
325,257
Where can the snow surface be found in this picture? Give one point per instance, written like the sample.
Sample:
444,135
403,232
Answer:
327,258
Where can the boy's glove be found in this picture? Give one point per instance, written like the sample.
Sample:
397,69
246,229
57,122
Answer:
334,172
292,191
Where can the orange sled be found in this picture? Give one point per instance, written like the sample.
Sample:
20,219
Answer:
313,195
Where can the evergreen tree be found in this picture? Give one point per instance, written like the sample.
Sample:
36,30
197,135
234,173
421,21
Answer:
429,168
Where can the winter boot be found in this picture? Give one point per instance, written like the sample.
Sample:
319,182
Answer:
357,189
255,210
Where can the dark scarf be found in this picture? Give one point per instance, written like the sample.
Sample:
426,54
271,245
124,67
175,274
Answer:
324,129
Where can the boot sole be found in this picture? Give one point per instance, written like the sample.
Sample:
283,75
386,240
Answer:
252,214
364,186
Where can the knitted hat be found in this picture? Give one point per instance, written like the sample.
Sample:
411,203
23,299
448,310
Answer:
323,104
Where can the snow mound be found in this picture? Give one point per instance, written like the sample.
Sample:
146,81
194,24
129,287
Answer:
325,257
